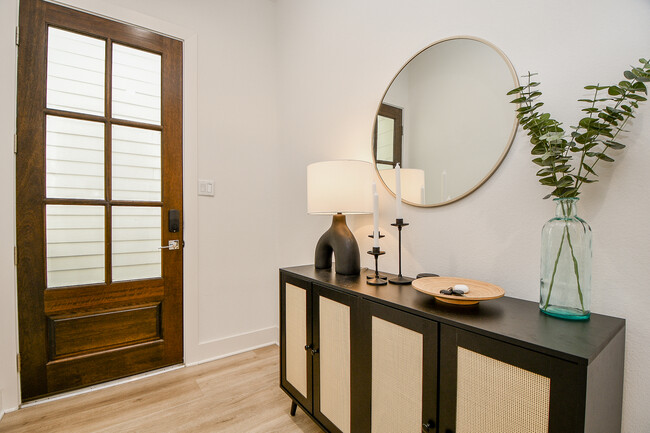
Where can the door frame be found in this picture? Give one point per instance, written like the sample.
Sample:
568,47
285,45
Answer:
189,38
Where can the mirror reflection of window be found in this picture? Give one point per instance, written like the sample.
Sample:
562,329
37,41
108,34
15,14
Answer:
388,136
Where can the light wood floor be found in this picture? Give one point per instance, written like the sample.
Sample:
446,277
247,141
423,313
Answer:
239,394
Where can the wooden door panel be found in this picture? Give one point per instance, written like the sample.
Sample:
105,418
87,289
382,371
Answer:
72,300
76,372
75,336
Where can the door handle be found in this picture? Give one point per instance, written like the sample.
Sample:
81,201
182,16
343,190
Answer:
173,245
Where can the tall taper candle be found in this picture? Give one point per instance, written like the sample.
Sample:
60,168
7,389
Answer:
398,193
375,214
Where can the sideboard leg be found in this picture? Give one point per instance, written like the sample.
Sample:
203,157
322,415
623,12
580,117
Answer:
294,406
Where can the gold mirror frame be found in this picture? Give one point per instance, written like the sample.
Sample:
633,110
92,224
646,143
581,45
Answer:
508,142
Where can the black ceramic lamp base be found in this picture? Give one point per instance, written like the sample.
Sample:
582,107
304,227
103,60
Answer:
340,241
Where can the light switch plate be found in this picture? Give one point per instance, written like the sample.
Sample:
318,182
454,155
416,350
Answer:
206,187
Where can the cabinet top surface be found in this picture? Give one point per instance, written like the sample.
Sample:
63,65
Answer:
507,319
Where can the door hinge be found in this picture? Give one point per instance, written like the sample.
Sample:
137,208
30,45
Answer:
15,256
17,35
18,362
16,143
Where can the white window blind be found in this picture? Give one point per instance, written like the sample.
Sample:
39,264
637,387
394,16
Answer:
136,164
75,245
75,72
136,238
74,158
136,85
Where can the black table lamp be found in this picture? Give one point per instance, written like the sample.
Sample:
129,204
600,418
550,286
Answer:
339,188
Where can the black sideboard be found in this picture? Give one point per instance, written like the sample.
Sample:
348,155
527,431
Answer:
362,358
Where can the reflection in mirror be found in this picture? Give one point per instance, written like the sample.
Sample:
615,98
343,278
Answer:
446,117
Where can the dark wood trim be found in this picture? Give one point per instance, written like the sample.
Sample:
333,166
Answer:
30,182
102,119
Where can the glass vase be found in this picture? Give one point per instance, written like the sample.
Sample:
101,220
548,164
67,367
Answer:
565,280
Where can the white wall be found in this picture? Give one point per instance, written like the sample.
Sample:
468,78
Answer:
337,58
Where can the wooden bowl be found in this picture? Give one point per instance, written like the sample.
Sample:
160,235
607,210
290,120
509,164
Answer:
478,290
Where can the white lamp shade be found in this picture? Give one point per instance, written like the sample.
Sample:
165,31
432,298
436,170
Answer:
412,183
339,187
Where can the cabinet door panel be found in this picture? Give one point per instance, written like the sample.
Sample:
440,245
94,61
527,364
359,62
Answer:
512,400
495,387
295,334
404,367
397,365
333,362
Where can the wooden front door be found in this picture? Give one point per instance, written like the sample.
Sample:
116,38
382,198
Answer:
99,191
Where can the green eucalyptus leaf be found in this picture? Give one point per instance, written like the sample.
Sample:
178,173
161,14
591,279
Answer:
549,181
586,122
517,90
640,87
539,149
629,75
518,100
636,97
613,90
625,85
547,196
604,157
589,169
614,145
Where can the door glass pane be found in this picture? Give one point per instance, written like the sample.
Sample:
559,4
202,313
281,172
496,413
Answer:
136,164
75,72
385,131
74,158
75,245
136,85
136,238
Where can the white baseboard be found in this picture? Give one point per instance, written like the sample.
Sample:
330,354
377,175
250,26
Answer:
228,346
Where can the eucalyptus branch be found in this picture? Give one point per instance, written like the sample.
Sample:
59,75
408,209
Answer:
551,149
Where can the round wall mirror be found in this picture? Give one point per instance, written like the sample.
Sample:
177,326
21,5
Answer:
446,119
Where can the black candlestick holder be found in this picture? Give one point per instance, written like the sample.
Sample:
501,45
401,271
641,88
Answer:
399,223
376,280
